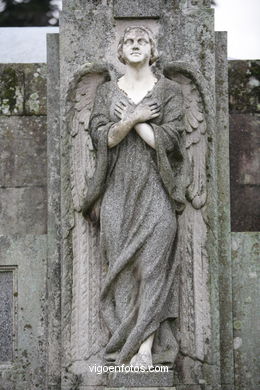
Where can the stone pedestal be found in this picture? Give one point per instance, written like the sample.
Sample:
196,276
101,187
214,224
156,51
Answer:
89,34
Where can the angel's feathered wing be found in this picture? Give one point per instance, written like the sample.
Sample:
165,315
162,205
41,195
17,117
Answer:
86,334
192,229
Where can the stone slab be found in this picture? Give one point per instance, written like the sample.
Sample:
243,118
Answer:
224,242
177,387
244,82
246,298
141,379
137,8
54,261
23,89
27,255
23,151
23,210
6,315
35,91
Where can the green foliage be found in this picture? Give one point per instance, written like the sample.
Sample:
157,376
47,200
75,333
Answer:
25,13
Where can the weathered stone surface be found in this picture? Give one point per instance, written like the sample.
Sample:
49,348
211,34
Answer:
35,91
156,379
177,387
246,298
28,254
23,89
54,234
137,8
6,315
23,210
12,90
23,151
244,86
224,295
184,37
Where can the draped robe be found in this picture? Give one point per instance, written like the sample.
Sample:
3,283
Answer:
141,189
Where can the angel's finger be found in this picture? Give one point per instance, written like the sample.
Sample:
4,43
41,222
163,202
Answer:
155,110
118,109
155,115
117,105
154,104
118,114
121,106
122,102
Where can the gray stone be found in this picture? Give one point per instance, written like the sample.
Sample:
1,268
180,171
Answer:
23,210
224,241
12,90
23,151
177,387
54,234
23,89
137,9
35,90
27,256
142,388
6,315
185,37
155,379
244,83
246,298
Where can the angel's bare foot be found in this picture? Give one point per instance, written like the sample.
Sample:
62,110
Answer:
142,360
144,356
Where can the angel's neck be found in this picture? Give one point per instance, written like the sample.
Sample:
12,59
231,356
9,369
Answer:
138,75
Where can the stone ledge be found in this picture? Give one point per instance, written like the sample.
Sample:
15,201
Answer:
143,379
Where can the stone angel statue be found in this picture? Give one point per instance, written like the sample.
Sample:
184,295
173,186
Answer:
141,140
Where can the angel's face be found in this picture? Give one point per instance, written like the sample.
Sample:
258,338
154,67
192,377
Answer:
136,47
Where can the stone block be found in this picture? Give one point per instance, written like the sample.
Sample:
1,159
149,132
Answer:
23,151
23,89
141,388
137,9
244,86
27,255
246,297
11,89
6,315
35,89
141,379
23,210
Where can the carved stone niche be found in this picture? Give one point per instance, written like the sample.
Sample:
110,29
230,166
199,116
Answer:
85,335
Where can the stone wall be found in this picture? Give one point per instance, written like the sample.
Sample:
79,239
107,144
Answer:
23,216
23,170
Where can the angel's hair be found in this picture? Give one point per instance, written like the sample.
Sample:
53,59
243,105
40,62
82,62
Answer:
154,51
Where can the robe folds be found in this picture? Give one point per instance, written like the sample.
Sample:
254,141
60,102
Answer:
141,190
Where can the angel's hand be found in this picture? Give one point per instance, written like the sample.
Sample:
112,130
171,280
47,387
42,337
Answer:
146,112
120,110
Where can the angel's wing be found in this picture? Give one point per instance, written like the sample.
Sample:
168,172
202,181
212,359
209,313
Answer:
87,268
192,236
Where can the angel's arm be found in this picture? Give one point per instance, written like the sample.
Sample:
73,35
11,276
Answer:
146,133
142,113
119,131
